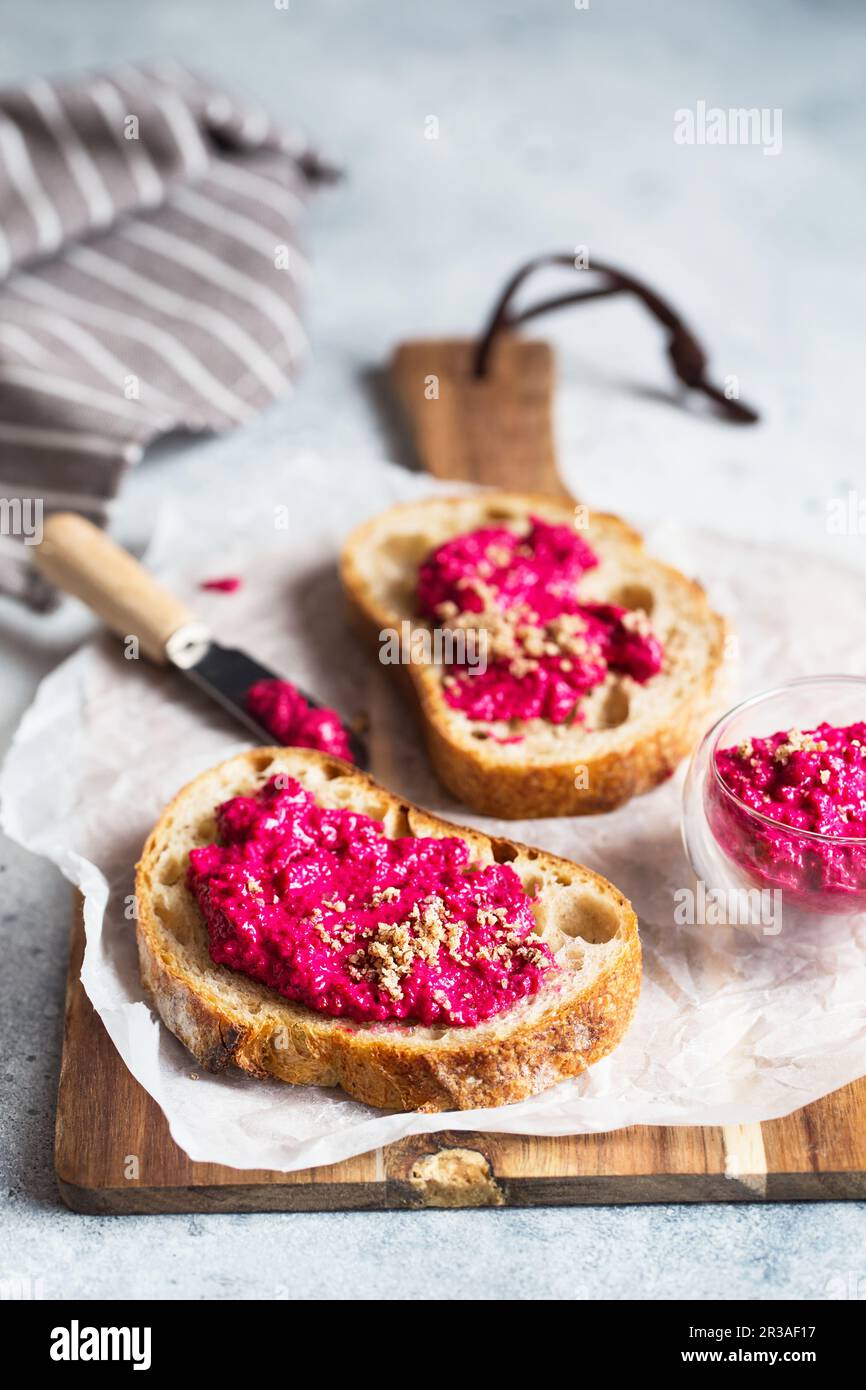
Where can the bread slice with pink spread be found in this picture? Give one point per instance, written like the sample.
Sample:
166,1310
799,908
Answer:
572,947
634,661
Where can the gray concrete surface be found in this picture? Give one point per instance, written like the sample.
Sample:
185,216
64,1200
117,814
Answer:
555,130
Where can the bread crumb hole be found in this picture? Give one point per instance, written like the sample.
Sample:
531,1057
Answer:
332,771
592,919
615,708
410,550
170,872
162,912
397,822
635,596
262,762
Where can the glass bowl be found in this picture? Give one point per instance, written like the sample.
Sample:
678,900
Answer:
733,846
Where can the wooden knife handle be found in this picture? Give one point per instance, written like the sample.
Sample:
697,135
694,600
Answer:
80,559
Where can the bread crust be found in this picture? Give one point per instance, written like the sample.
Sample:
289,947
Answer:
387,1067
482,776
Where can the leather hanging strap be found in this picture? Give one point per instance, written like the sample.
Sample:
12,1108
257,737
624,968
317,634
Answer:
481,410
685,352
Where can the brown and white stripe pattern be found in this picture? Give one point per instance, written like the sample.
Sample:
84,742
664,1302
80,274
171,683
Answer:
149,280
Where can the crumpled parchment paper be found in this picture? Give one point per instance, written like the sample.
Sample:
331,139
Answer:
733,1026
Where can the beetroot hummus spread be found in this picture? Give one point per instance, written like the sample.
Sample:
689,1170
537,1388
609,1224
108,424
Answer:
284,712
545,648
812,781
227,585
321,906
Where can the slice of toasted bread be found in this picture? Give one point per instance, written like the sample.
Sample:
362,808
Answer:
225,1018
632,736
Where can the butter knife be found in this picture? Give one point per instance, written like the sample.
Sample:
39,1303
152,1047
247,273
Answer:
80,559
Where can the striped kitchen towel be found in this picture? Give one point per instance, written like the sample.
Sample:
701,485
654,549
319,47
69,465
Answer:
149,279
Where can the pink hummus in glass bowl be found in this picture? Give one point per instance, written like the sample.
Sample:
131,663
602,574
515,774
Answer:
779,788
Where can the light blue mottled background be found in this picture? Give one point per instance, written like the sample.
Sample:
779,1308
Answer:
556,130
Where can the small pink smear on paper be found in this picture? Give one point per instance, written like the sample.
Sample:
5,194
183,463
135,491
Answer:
229,585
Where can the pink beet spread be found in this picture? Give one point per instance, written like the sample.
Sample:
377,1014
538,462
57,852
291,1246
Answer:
321,906
812,781
283,711
228,585
546,648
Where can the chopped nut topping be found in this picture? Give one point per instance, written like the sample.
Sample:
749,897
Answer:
798,742
491,916
637,620
387,958
513,635
499,555
384,895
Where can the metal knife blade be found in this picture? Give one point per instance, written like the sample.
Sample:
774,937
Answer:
225,674
82,560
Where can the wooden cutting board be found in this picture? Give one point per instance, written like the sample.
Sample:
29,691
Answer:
113,1149
114,1153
